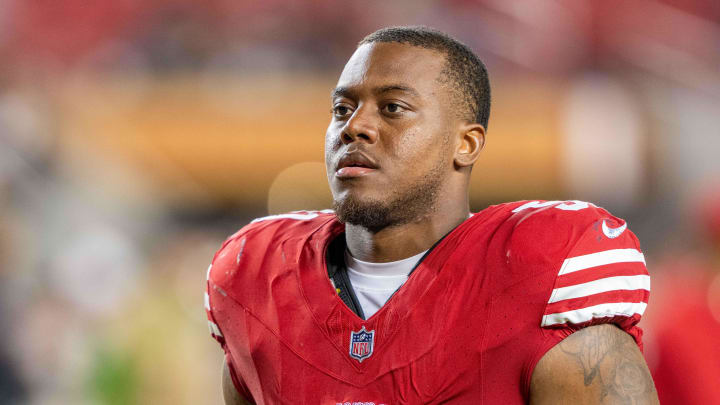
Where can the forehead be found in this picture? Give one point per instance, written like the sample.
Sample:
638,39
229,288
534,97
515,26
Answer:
381,64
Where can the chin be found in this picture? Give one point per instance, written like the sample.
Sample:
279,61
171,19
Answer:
365,212
384,205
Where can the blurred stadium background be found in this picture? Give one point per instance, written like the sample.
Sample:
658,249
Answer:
136,135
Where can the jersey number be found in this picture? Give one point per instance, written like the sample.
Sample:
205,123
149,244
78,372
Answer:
573,205
297,215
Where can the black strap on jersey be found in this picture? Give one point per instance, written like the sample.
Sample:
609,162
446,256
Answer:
423,258
337,271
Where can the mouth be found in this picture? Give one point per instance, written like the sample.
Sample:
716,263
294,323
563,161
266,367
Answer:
355,164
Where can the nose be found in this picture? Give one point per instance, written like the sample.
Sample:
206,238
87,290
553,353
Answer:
362,126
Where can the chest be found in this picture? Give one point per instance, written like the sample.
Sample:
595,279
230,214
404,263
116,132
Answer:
445,335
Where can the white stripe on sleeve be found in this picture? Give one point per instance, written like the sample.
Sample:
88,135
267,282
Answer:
207,300
640,282
214,329
601,258
596,311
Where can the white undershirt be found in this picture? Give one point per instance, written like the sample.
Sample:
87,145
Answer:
374,283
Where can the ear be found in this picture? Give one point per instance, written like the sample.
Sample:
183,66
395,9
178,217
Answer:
472,140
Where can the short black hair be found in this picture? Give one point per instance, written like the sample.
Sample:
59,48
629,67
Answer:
463,67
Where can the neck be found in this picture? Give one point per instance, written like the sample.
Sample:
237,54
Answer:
396,242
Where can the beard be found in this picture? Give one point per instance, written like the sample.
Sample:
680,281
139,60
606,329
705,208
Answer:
411,203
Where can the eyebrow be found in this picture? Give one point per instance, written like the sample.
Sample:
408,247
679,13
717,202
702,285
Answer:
348,91
397,87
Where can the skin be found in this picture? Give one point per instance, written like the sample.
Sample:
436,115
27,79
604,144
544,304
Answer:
390,104
230,393
596,365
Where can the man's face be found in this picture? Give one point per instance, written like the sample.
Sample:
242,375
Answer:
388,148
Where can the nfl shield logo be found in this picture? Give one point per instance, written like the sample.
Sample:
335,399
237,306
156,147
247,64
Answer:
361,344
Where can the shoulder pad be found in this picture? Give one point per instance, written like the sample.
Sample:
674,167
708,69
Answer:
545,231
247,250
600,270
262,234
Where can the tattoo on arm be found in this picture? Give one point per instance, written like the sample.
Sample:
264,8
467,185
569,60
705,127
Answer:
589,353
613,369
610,358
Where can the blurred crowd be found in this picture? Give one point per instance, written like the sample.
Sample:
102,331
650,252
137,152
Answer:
135,136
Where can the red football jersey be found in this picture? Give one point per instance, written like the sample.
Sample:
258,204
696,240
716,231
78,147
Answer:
468,326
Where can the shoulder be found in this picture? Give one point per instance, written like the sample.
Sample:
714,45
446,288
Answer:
552,230
538,231
250,259
283,226
248,247
584,260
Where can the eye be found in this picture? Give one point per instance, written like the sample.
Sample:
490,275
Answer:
393,108
340,110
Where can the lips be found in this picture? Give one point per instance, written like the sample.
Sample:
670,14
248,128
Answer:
355,164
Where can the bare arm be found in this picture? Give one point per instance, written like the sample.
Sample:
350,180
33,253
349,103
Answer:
596,365
230,393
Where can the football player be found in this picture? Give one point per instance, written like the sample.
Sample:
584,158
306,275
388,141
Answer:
400,295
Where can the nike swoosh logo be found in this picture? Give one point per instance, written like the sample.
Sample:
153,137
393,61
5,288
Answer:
613,233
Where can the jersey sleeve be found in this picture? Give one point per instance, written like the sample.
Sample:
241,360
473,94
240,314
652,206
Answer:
242,257
602,279
581,266
217,334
